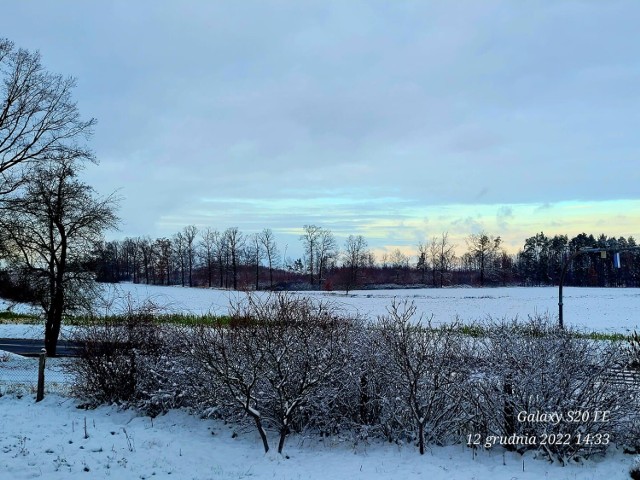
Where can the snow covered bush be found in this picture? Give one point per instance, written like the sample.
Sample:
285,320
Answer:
351,404
116,355
426,370
634,351
274,359
549,389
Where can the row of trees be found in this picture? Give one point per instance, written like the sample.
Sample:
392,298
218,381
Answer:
286,364
541,260
232,259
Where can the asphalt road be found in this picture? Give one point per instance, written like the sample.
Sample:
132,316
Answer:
32,348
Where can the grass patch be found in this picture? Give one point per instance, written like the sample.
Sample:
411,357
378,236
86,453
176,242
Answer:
183,319
479,331
475,330
13,317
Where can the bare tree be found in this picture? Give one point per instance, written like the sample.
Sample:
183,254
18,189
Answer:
232,357
355,257
163,247
327,252
189,234
442,256
274,357
310,239
48,230
148,253
423,261
235,241
208,249
179,250
268,242
422,360
222,258
434,258
256,254
131,258
39,121
400,264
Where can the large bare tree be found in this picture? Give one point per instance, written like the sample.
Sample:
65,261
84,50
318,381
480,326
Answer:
442,254
48,229
39,120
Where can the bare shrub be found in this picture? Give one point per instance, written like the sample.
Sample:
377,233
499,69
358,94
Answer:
115,354
552,385
425,368
273,359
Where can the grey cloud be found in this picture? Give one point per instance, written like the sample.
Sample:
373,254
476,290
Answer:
445,102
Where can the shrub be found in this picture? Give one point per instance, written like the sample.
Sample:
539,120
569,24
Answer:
275,360
536,368
115,357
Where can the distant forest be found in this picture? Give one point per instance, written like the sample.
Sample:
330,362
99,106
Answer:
231,259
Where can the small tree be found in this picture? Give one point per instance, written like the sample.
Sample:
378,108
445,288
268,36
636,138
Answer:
48,230
310,240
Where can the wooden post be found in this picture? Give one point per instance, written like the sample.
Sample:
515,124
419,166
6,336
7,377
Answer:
41,364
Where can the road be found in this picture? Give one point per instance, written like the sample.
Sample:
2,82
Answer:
32,348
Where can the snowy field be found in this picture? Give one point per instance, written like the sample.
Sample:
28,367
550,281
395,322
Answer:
601,309
47,440
589,309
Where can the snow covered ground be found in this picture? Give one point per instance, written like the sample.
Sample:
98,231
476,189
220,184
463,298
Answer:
599,309
602,309
47,440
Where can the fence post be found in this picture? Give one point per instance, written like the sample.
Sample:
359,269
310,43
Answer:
41,364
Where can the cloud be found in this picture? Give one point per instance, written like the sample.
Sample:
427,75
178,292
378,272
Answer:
285,105
504,215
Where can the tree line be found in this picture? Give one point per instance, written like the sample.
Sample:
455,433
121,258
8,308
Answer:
233,259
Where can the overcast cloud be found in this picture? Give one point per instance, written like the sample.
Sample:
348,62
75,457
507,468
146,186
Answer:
397,120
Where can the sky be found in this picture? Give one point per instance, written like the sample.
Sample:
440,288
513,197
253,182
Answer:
396,120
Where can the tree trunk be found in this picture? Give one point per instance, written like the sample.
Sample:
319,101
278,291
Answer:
54,321
284,431
235,271
263,434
